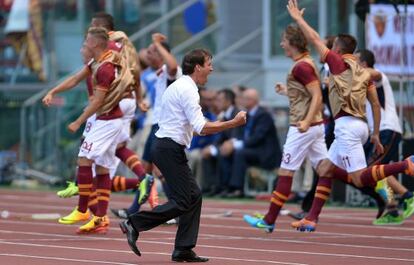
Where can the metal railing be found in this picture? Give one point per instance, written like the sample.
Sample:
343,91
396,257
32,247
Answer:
197,37
44,144
238,44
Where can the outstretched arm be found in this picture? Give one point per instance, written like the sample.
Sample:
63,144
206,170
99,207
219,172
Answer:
310,34
219,126
67,84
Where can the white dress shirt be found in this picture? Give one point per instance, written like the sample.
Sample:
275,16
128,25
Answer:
389,116
160,87
181,112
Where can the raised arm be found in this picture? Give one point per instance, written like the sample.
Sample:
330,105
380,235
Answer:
138,95
168,58
311,35
67,84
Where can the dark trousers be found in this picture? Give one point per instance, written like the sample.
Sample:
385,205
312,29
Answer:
185,200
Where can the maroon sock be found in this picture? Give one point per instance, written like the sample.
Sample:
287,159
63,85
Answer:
93,199
279,197
323,190
85,186
372,175
121,183
103,187
131,160
342,175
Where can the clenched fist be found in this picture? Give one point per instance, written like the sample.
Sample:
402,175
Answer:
240,118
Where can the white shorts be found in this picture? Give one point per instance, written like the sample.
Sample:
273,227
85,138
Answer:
112,169
347,150
298,146
88,126
128,107
100,143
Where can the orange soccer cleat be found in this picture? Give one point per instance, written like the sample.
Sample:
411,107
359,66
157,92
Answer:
304,225
97,225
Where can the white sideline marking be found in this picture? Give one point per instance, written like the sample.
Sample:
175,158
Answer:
129,252
217,247
215,236
217,213
65,259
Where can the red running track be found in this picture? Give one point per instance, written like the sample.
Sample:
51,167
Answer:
344,236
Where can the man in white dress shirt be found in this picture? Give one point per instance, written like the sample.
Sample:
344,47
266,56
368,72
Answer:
180,116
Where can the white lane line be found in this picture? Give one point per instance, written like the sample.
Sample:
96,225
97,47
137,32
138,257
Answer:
290,231
204,236
217,236
215,205
65,259
330,212
313,253
144,253
324,221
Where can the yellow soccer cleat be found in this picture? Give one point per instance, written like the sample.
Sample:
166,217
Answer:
97,225
145,189
70,191
74,217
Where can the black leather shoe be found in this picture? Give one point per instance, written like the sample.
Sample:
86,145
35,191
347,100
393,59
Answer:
132,236
186,256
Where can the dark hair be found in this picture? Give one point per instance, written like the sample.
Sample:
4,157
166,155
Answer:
347,43
329,41
296,37
228,95
367,56
107,21
166,46
193,58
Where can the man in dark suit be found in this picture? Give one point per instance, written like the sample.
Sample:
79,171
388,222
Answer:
258,146
217,176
